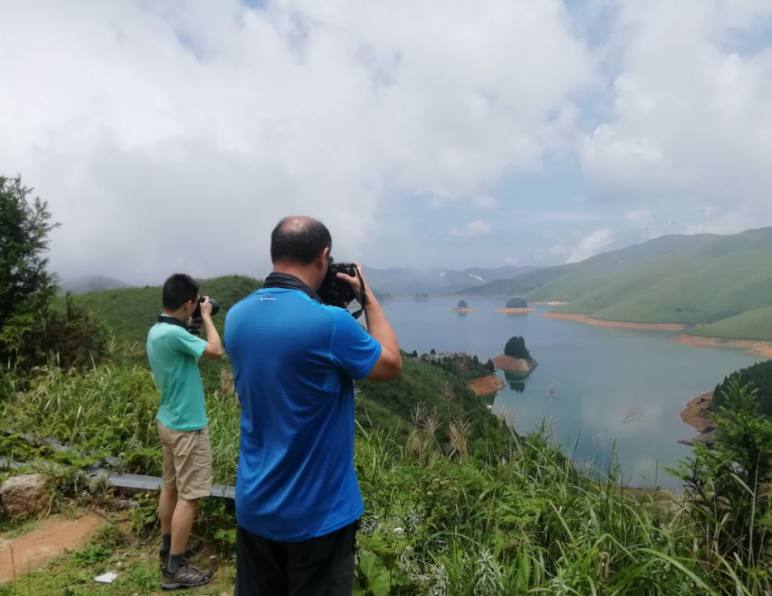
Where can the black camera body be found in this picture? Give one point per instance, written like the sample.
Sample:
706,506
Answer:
196,320
334,291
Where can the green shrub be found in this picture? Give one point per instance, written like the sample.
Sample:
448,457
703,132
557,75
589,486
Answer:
517,302
515,348
726,481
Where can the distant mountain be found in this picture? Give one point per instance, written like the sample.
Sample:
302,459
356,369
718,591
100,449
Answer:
705,279
407,281
91,283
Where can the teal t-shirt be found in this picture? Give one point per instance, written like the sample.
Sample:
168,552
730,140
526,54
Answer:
173,353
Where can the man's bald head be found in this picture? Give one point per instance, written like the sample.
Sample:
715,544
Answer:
299,239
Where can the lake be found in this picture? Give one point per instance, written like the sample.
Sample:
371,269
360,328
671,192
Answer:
598,390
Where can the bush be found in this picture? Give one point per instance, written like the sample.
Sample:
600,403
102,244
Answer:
515,348
726,482
517,302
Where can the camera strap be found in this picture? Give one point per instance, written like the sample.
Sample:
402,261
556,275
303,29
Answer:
290,282
174,321
362,297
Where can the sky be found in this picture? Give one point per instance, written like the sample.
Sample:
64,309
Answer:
173,135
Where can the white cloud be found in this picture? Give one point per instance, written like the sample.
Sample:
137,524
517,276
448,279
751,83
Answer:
590,245
174,135
691,111
639,216
485,202
476,227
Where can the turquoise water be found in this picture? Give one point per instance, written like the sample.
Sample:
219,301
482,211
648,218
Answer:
599,391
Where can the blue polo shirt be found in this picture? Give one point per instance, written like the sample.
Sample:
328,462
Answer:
293,362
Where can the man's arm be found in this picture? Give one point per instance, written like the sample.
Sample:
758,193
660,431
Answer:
389,365
213,344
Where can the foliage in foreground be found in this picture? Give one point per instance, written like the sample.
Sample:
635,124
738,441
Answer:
760,375
453,507
727,482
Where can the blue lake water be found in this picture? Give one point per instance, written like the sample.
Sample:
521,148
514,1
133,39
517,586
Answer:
598,390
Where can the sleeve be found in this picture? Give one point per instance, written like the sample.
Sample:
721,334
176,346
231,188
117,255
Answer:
352,348
188,344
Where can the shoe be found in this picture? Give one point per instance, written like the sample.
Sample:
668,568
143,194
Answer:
187,576
193,547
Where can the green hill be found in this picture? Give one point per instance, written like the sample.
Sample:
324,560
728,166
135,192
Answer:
722,282
129,312
755,324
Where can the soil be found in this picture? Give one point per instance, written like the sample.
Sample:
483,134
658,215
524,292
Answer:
513,365
514,311
457,309
52,538
759,348
616,324
550,302
486,385
694,412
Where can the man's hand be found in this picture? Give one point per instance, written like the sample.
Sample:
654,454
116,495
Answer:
356,286
389,365
206,308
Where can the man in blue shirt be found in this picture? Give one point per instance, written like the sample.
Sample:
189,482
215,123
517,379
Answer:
294,361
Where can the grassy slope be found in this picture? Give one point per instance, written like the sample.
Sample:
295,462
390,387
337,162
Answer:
754,324
694,280
129,312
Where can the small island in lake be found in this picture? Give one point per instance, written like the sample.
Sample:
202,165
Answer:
462,306
516,359
515,306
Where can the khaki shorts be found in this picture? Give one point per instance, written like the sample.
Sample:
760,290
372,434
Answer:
187,461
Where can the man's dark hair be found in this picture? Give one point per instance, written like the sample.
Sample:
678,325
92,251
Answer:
178,289
299,240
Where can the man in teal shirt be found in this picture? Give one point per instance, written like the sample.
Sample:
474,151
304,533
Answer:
173,352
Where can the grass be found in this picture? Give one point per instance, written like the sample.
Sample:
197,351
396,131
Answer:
129,312
720,282
459,504
134,560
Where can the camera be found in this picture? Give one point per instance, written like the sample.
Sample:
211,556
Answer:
334,291
196,320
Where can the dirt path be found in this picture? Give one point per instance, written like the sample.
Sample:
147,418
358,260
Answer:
53,537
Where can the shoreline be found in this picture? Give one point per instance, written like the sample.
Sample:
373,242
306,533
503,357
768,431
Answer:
518,366
758,347
695,415
485,386
587,320
514,311
462,309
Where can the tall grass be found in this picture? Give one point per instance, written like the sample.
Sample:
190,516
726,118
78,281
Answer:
497,514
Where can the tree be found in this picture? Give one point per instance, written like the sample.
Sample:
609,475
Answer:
515,348
462,304
26,287
32,328
516,302
726,478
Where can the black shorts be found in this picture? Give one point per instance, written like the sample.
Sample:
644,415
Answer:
319,566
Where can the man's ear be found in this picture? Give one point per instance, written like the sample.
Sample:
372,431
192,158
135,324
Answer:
324,257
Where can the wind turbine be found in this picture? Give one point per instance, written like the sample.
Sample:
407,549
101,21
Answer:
704,212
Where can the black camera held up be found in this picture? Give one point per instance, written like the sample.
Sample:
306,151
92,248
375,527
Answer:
196,320
338,292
